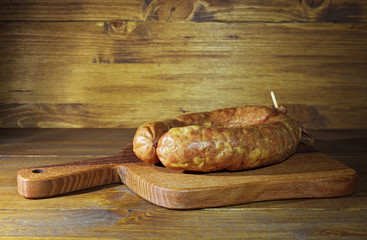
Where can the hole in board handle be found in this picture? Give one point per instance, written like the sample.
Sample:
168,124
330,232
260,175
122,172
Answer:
38,170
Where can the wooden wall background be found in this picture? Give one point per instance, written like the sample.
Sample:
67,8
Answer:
119,63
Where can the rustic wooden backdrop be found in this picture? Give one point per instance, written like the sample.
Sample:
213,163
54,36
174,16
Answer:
119,63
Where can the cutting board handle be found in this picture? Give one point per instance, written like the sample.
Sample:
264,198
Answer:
46,181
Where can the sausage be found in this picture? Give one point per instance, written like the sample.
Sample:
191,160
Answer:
146,137
229,117
220,148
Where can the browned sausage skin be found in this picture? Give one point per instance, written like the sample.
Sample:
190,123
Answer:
218,148
147,136
229,117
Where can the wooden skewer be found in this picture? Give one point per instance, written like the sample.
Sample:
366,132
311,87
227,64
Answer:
274,100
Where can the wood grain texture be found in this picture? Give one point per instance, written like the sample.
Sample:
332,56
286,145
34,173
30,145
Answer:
174,190
189,10
62,142
121,74
114,212
51,180
78,64
54,73
159,223
304,175
46,181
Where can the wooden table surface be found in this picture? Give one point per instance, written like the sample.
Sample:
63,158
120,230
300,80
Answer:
115,212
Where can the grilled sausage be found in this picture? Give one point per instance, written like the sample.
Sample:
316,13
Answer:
203,149
146,137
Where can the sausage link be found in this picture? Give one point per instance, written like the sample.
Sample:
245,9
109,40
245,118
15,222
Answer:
219,148
229,117
147,136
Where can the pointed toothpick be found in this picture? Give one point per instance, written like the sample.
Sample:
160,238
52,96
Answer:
274,100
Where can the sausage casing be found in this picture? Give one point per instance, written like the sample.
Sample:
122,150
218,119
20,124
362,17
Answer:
147,136
229,117
198,148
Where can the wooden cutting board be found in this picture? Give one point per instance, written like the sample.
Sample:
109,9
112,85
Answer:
307,174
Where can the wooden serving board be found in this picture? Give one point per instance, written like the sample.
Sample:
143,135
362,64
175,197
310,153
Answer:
307,174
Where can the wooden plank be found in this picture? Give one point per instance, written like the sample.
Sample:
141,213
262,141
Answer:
67,143
192,10
61,10
175,43
121,75
204,224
